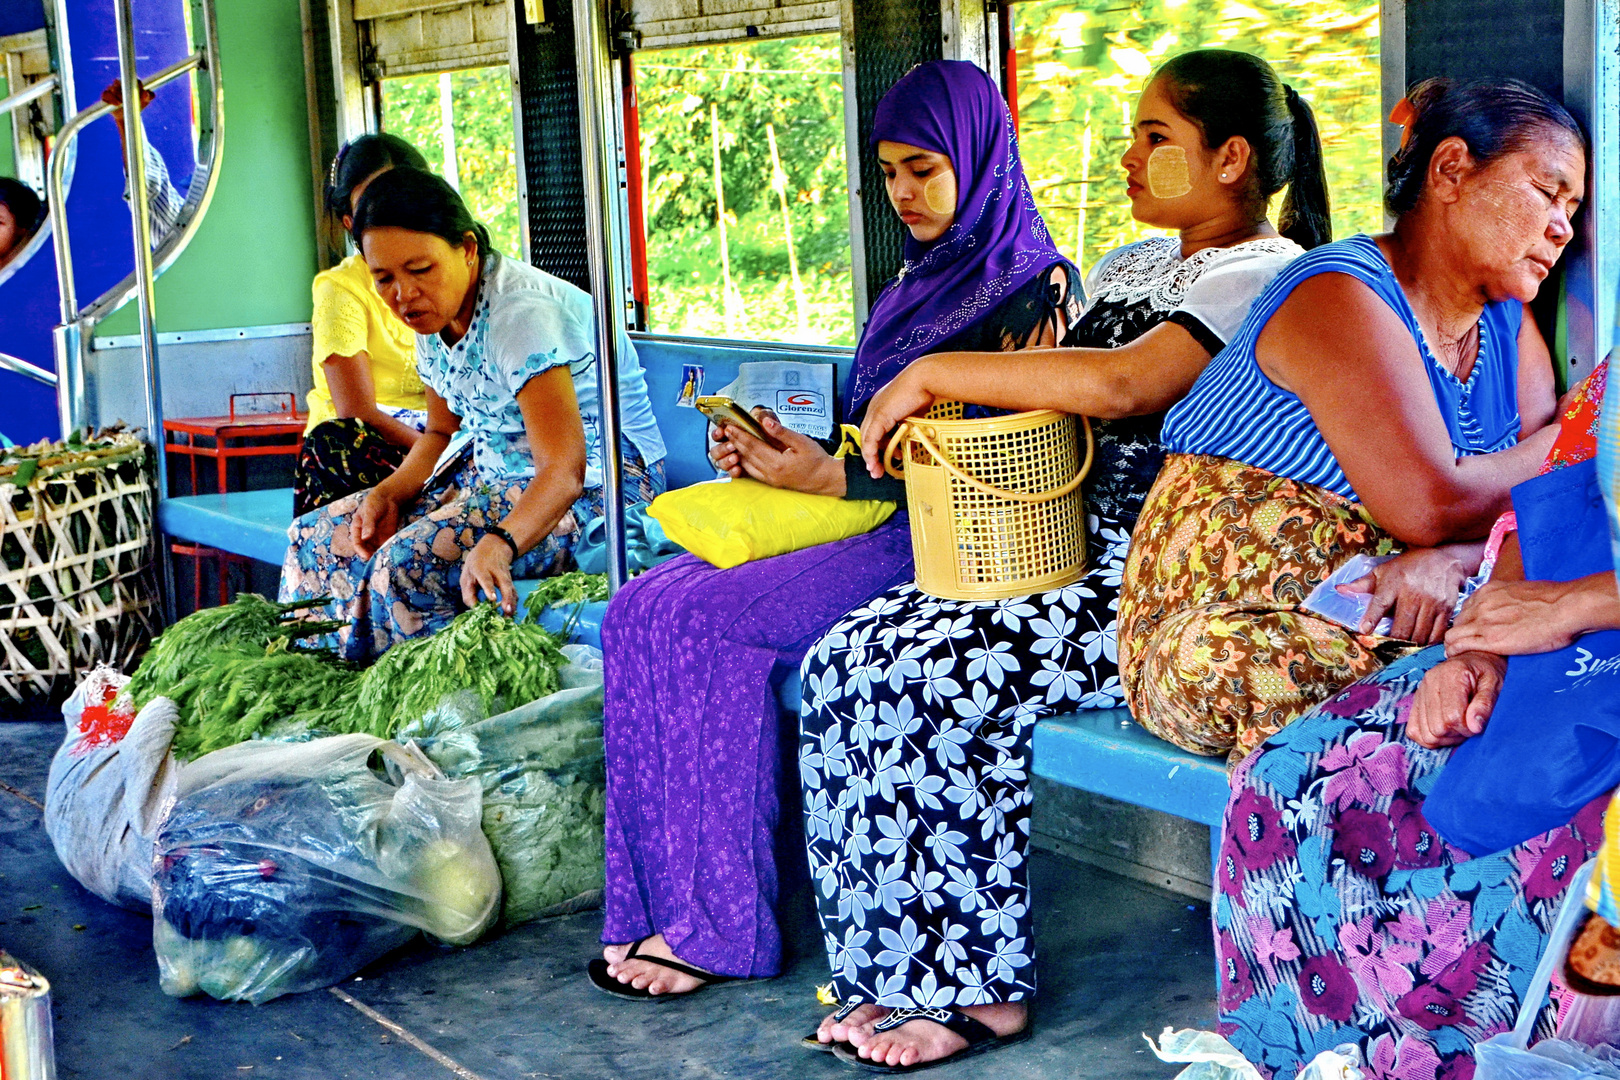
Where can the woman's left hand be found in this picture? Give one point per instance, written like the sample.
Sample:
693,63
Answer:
800,465
488,567
1516,618
906,395
1455,699
1417,588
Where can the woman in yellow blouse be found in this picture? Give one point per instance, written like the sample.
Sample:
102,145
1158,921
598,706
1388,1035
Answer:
367,408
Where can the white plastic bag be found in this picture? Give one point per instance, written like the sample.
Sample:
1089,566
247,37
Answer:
1211,1057
288,867
108,790
1509,1056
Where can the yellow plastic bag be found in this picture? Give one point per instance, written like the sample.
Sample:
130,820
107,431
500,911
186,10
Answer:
730,522
1603,893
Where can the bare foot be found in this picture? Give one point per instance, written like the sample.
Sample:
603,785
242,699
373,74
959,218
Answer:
614,953
862,1018
923,1040
653,978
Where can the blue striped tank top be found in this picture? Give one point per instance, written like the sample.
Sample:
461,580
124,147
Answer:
1235,411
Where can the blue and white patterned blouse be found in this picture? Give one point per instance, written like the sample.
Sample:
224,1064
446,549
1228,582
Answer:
528,322
1235,411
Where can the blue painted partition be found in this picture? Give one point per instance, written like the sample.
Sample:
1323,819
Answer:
98,217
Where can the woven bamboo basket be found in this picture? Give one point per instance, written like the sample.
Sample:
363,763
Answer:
994,502
77,545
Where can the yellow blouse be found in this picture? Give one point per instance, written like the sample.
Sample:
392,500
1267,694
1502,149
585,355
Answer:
350,318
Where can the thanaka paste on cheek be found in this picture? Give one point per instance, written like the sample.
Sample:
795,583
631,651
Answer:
940,193
1167,173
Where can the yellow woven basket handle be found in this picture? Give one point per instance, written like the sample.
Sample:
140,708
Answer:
912,427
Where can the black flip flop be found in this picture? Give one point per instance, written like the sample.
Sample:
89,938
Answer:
597,970
980,1039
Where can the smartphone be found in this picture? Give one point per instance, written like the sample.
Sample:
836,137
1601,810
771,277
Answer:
722,410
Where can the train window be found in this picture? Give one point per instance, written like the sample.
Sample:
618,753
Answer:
1081,64
743,168
462,123
25,133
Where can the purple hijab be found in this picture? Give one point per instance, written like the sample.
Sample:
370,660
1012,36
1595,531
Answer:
997,243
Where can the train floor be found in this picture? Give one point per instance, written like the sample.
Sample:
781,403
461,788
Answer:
1116,959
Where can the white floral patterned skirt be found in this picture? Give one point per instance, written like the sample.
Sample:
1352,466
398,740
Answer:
914,754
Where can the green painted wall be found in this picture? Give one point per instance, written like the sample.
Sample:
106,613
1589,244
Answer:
8,162
251,261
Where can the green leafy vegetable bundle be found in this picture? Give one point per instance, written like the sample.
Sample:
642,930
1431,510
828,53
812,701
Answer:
234,672
231,673
504,662
574,587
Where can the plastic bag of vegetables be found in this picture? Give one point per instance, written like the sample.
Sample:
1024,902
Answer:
541,768
109,783
287,867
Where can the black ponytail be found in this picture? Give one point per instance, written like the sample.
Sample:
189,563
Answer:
1231,94
419,202
1492,117
357,161
1306,216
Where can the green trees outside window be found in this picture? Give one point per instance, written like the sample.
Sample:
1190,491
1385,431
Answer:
475,108
743,152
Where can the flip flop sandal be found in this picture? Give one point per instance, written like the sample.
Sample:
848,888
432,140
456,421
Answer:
810,1042
597,970
980,1039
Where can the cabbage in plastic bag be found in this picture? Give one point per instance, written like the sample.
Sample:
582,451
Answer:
287,867
544,782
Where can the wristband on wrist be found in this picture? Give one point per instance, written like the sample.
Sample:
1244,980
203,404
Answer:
504,535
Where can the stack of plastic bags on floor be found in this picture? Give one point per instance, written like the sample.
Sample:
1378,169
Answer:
278,865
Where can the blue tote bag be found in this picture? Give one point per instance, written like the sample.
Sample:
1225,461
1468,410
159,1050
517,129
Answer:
1553,741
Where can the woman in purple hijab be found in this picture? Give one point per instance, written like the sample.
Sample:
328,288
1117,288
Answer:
918,711
694,757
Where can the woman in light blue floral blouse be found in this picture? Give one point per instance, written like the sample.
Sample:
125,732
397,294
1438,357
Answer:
507,354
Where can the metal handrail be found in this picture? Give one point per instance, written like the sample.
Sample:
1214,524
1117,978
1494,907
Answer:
595,143
74,333
30,94
19,366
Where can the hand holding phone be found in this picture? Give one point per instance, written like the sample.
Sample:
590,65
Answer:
723,410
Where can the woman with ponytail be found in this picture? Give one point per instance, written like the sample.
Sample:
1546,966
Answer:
1216,135
507,358
1382,397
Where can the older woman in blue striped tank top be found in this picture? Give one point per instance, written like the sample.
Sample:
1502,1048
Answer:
1383,395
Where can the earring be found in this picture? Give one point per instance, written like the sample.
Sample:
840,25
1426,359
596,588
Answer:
1223,176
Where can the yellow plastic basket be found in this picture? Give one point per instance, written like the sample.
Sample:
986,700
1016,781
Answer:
995,503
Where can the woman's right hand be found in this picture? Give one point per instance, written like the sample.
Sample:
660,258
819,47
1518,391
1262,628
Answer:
906,395
375,521
1455,699
1417,589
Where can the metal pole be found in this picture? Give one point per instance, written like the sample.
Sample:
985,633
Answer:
71,335
32,93
601,247
140,217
